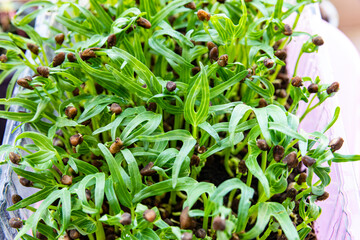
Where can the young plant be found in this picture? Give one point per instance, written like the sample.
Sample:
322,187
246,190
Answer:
166,120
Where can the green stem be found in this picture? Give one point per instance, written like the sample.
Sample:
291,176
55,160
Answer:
249,179
263,160
226,162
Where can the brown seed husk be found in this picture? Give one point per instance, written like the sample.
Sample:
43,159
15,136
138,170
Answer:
15,222
302,178
25,182
202,15
16,198
116,146
334,87
269,63
287,30
291,160
291,194
71,57
24,82
200,233
43,71
147,171
323,197
308,161
219,224
14,158
152,107
76,139
262,103
149,215
185,219
74,234
296,81
281,54
214,54
242,167
59,38
190,5
278,153
66,180
223,60
143,22
313,88
3,58
336,143
125,219
71,112
111,41
115,108
170,86
87,54
58,59
210,45
318,41
33,48
281,93
262,145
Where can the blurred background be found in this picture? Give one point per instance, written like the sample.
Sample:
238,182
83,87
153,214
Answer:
344,14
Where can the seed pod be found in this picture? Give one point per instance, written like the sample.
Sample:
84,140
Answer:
111,41
308,161
291,194
281,54
170,86
201,149
149,215
74,234
323,197
152,107
25,182
223,60
202,15
33,48
86,123
147,171
291,160
336,144
14,158
115,108
334,87
125,219
185,219
210,45
186,236
58,59
3,58
318,41
190,5
219,224
15,222
242,167
24,82
76,139
195,160
262,103
269,63
214,54
43,71
302,178
116,146
144,23
87,54
16,198
71,57
66,180
287,30
59,38
200,233
281,93
313,88
71,112
278,153
88,194
296,81
262,145
40,236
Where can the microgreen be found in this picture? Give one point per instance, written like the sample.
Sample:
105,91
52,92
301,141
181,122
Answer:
166,120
